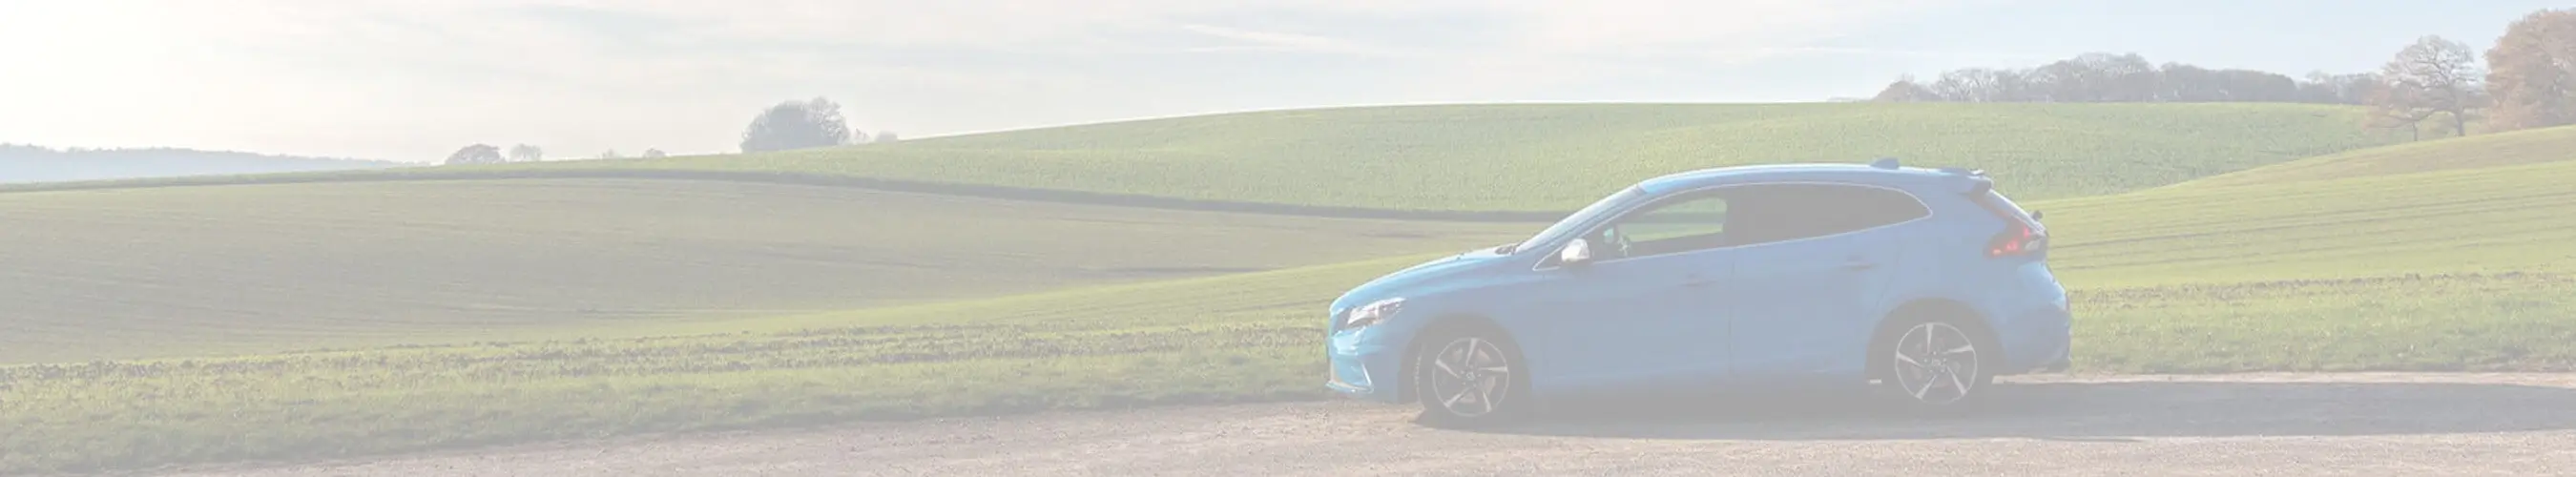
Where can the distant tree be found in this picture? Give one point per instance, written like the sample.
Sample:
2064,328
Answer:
2354,88
527,153
476,154
1905,90
1984,85
797,125
2432,77
611,154
2533,72
2097,78
885,136
653,153
2104,77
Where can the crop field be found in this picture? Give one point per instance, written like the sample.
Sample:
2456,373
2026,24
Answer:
120,273
1548,158
2451,269
2504,149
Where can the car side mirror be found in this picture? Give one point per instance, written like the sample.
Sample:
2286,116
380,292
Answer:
1575,253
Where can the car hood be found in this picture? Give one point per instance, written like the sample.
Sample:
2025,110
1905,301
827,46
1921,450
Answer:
1410,279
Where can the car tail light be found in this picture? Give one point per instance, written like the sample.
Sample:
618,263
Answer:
2018,239
2022,234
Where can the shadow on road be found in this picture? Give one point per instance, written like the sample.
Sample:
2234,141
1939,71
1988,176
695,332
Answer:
2109,412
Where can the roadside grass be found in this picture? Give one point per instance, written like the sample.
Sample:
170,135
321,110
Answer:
1111,348
133,273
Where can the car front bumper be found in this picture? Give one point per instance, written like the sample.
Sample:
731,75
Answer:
1362,367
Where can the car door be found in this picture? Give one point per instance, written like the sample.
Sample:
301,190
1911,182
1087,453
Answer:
1635,315
1814,261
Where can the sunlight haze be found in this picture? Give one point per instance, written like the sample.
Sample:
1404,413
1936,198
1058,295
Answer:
413,80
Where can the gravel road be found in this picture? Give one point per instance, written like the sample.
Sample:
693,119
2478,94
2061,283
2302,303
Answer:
2376,424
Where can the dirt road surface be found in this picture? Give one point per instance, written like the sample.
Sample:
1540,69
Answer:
2451,425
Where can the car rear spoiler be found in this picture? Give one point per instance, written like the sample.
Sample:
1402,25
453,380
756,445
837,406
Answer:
1978,183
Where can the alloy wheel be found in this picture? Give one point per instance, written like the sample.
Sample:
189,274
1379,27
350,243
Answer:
1936,363
1471,377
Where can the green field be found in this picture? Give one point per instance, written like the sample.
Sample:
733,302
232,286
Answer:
1559,157
2504,149
1548,157
2451,268
125,273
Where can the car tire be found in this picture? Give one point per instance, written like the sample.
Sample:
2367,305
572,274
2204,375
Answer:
1470,377
1936,366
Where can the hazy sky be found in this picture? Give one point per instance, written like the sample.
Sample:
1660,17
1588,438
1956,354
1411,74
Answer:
414,80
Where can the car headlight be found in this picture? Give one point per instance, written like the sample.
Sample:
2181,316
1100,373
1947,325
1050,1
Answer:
1372,313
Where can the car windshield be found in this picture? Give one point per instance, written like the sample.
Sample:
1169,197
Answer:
1579,217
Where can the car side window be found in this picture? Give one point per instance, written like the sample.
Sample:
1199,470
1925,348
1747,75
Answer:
1782,212
1681,224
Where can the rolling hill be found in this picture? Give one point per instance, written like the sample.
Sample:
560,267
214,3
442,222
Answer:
2465,269
21,164
1559,157
117,273
2509,148
517,302
1530,159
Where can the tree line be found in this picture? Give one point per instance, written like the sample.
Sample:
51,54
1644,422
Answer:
784,126
2527,80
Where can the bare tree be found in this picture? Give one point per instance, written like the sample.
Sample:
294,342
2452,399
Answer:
475,154
885,136
1983,85
527,153
2533,82
1905,90
653,153
2433,76
611,154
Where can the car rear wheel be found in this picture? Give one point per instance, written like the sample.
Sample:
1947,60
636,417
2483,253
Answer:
1469,379
1936,366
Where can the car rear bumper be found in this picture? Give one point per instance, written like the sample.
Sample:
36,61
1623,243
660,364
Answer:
2041,340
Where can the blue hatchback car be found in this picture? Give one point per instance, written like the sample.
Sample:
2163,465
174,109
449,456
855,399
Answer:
1925,283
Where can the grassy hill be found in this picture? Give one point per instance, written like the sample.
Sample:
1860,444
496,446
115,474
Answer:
2509,148
33,164
2457,269
121,273
518,302
1559,157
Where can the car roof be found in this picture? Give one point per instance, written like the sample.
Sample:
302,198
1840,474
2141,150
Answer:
1830,172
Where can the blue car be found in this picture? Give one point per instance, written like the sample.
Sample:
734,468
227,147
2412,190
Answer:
1921,283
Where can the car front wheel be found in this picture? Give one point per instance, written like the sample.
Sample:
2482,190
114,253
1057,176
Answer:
1469,379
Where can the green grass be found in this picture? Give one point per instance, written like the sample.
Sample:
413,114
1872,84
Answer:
477,311
1558,157
2447,270
2509,148
125,273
